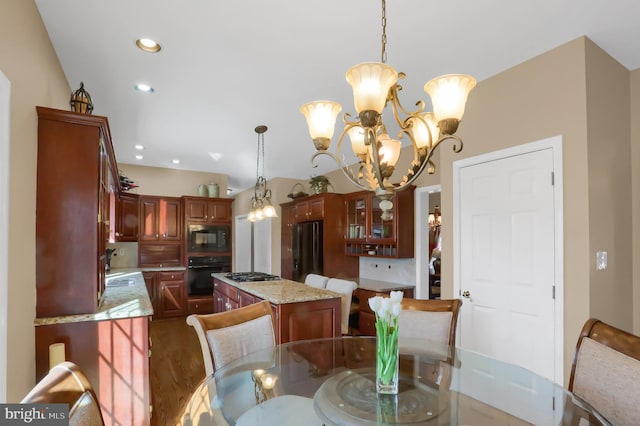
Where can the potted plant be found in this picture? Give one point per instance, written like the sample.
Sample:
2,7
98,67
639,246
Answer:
319,184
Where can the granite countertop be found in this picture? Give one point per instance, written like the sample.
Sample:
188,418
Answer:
375,285
281,291
128,299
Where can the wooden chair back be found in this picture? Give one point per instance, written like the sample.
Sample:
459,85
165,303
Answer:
229,335
430,319
606,371
67,384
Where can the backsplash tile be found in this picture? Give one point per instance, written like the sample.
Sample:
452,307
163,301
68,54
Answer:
125,256
401,271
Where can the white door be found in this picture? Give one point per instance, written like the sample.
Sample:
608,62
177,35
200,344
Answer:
506,266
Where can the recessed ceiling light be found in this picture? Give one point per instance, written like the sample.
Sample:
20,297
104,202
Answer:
139,147
148,45
175,161
143,87
138,157
216,155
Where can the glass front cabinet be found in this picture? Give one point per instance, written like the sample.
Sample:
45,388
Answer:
367,234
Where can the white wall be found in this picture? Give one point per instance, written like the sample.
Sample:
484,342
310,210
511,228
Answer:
5,89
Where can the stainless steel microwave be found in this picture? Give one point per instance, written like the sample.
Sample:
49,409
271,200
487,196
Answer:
209,239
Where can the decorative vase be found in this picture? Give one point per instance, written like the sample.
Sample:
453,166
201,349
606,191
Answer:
214,190
202,190
387,354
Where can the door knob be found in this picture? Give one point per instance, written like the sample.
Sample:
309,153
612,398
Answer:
467,295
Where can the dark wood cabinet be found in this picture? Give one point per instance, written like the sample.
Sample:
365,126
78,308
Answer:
207,210
201,305
367,234
160,219
127,218
168,293
75,207
330,209
114,354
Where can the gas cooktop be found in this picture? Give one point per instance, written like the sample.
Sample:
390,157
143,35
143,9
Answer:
251,276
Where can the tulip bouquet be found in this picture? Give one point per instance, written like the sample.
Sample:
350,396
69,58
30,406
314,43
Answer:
387,310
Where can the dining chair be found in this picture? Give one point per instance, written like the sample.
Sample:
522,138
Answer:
229,335
345,288
434,320
606,372
317,281
67,384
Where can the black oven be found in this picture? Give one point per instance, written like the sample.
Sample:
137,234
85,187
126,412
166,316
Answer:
200,269
208,239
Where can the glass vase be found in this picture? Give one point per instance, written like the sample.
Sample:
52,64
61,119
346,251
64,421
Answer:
387,353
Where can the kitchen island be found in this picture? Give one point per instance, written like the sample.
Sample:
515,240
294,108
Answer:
300,311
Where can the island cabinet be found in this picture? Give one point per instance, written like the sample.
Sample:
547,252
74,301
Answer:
168,293
368,234
300,312
207,210
127,218
328,208
75,210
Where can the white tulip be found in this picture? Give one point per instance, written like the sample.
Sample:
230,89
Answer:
395,309
374,303
396,296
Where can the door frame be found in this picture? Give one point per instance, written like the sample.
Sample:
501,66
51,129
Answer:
421,214
555,144
5,109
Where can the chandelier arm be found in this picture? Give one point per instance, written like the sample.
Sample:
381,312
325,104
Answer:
397,106
370,139
344,168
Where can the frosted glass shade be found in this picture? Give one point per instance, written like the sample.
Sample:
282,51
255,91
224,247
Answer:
269,211
356,134
449,95
420,129
389,152
371,82
321,118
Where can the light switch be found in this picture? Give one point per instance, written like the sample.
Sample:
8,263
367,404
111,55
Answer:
601,260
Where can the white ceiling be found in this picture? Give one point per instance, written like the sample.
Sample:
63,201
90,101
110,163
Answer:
227,66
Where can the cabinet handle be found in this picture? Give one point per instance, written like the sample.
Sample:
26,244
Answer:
157,235
172,276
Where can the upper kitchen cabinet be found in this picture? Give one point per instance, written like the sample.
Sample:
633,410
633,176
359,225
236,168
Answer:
127,218
207,210
75,210
309,209
160,219
367,234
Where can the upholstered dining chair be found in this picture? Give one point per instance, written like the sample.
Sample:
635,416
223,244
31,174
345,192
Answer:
345,288
67,384
434,320
226,336
317,281
606,372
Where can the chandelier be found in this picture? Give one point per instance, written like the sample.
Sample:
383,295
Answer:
261,207
375,85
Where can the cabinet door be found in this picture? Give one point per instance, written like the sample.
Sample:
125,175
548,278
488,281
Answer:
302,211
357,216
149,212
219,211
171,294
381,230
196,210
316,209
150,280
246,299
127,220
218,301
170,214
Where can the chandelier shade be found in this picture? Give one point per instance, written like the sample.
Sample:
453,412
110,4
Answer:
375,87
371,82
449,95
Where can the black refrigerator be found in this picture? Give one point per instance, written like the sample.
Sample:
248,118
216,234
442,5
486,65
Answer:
307,250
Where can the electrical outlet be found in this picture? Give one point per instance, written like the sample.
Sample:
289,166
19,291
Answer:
122,252
601,260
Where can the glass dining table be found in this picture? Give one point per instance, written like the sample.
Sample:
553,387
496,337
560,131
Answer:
332,382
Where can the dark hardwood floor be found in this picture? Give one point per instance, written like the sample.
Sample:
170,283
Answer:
176,369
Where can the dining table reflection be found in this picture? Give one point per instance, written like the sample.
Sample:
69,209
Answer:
332,382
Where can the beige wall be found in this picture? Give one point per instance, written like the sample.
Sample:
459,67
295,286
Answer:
29,62
171,182
608,133
542,97
635,193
